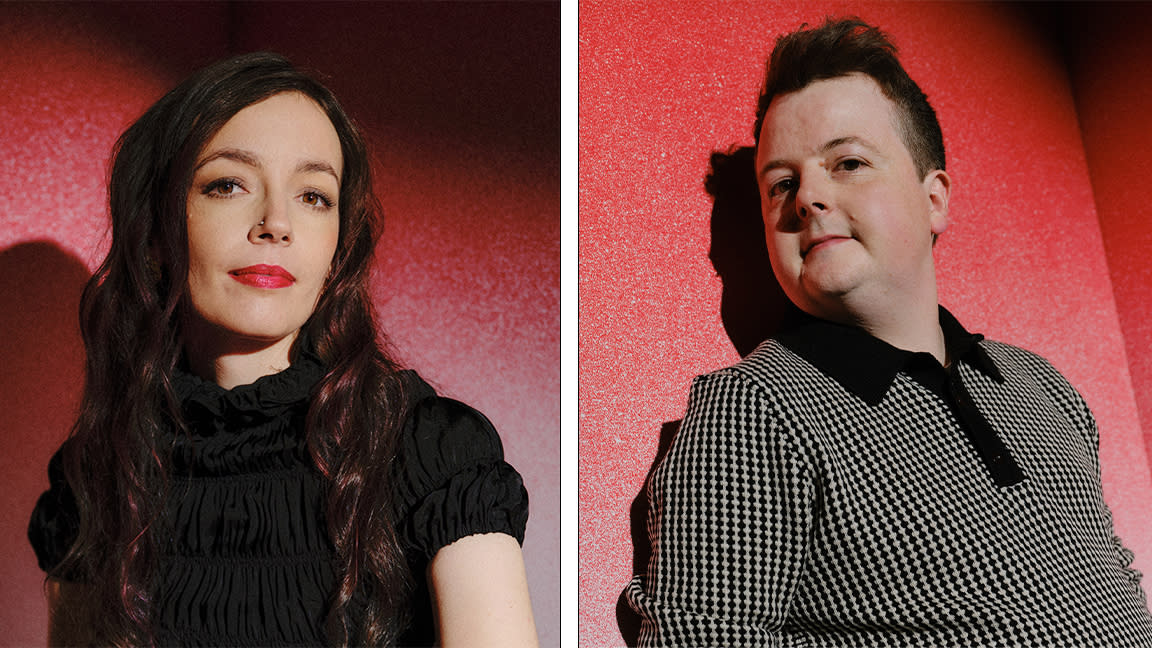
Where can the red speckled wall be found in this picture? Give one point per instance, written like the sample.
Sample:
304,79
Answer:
1111,78
460,102
1024,260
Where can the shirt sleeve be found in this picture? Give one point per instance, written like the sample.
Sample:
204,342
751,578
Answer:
1124,555
732,511
55,520
1069,400
452,480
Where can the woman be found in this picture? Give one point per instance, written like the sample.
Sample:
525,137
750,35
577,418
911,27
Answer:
249,466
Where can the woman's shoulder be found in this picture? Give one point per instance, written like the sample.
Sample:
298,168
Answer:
55,519
450,479
444,433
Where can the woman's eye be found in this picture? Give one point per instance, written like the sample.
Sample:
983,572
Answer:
315,199
851,164
224,188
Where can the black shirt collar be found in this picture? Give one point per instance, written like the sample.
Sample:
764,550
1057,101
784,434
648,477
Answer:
866,365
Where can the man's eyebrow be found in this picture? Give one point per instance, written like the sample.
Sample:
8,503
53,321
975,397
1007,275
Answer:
840,141
824,148
771,166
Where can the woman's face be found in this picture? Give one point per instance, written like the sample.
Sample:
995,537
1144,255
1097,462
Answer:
263,221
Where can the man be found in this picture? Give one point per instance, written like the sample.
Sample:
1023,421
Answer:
875,474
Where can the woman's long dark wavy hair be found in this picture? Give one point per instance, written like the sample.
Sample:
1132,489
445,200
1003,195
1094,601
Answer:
130,319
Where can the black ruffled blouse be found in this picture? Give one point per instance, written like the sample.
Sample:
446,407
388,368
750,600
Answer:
245,558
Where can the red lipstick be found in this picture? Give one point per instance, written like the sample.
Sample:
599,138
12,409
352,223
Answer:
263,276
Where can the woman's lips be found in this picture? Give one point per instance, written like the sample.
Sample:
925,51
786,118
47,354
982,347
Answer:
263,276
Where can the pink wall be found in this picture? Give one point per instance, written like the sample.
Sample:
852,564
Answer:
460,102
1024,261
1110,74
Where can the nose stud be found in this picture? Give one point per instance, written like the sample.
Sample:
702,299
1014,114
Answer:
261,221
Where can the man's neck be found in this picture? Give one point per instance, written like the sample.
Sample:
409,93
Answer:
917,330
905,315
908,321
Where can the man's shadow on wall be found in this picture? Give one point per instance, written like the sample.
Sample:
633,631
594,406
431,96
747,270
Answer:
753,307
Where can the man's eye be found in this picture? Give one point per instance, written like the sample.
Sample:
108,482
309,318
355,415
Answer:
782,186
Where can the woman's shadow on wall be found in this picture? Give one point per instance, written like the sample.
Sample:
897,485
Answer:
41,359
41,376
752,308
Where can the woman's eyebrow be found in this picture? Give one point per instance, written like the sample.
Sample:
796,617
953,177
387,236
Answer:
238,155
317,166
251,159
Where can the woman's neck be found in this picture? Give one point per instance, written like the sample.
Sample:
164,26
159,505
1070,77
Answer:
232,362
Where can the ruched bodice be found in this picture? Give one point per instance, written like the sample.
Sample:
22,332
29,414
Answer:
244,553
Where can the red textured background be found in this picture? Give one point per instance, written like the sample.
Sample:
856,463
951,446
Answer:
460,102
1044,110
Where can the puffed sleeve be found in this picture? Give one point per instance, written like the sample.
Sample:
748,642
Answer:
732,511
452,480
55,520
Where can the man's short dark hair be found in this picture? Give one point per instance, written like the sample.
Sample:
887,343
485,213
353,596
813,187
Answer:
844,46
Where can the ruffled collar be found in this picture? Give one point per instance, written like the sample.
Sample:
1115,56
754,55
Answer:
267,397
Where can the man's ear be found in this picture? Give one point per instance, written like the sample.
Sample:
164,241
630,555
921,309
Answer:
938,185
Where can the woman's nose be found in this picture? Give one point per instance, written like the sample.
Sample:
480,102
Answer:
275,226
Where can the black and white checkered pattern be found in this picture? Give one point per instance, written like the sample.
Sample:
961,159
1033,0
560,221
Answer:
789,512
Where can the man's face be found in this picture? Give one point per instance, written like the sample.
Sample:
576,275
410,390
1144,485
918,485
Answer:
848,221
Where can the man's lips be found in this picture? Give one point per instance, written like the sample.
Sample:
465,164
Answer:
823,241
263,276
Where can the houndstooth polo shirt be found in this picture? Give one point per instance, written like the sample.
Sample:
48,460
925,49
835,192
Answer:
832,490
